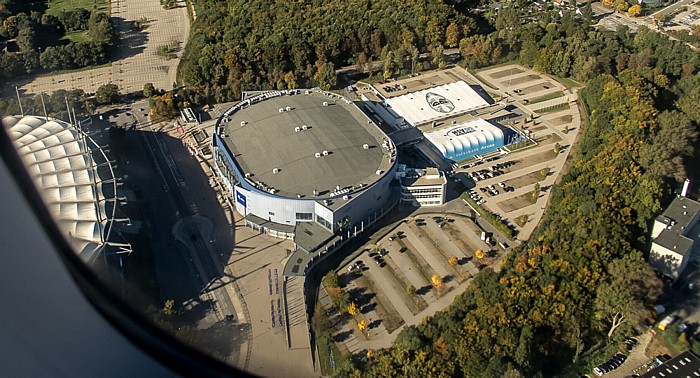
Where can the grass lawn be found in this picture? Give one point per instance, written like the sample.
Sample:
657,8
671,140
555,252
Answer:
58,6
568,83
323,341
77,36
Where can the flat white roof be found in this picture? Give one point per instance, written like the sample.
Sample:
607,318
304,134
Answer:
437,103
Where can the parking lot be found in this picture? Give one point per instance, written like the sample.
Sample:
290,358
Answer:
515,184
412,272
136,60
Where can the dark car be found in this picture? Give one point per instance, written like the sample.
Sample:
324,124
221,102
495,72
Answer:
403,249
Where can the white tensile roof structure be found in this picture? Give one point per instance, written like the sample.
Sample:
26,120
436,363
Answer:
437,103
57,158
466,139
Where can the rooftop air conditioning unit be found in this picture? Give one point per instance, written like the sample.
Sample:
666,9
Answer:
337,187
379,172
346,197
296,129
304,127
288,108
318,155
325,103
272,191
281,110
275,170
247,175
243,123
315,192
325,152
365,146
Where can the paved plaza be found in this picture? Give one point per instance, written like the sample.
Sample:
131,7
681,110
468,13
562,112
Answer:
136,60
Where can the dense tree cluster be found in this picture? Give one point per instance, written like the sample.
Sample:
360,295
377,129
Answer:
581,280
37,36
259,44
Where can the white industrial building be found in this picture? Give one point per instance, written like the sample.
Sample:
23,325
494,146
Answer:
423,187
436,103
672,237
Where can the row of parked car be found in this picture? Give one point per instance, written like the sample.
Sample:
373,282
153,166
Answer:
613,363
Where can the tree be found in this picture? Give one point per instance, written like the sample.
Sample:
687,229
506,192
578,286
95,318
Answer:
163,107
168,307
436,280
290,80
626,297
149,90
453,260
453,35
107,94
635,10
411,290
544,172
479,254
352,309
362,325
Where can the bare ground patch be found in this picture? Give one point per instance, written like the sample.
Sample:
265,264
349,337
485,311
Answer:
537,87
563,120
504,73
515,203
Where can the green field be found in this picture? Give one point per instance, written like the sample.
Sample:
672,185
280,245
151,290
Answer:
77,36
58,6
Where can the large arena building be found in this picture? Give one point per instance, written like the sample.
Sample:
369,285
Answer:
303,156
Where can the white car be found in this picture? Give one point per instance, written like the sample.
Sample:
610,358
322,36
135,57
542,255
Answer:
502,184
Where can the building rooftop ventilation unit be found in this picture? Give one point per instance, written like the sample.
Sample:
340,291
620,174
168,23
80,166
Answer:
247,175
243,123
325,152
365,146
288,108
379,172
296,129
275,170
318,155
346,197
325,103
315,192
304,127
272,191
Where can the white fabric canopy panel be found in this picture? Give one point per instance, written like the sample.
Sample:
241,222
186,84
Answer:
55,158
437,103
466,140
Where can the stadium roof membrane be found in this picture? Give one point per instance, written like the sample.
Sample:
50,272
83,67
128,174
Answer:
56,159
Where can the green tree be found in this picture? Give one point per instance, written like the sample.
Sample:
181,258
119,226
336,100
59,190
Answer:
149,90
331,279
107,94
626,297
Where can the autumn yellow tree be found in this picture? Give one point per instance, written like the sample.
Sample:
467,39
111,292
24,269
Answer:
352,309
479,254
362,325
436,280
635,10
453,260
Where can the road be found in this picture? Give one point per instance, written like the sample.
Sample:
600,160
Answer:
188,248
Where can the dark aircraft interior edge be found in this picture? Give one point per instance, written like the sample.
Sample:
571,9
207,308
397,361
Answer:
30,243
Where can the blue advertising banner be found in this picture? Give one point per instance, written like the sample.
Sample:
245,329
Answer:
240,198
